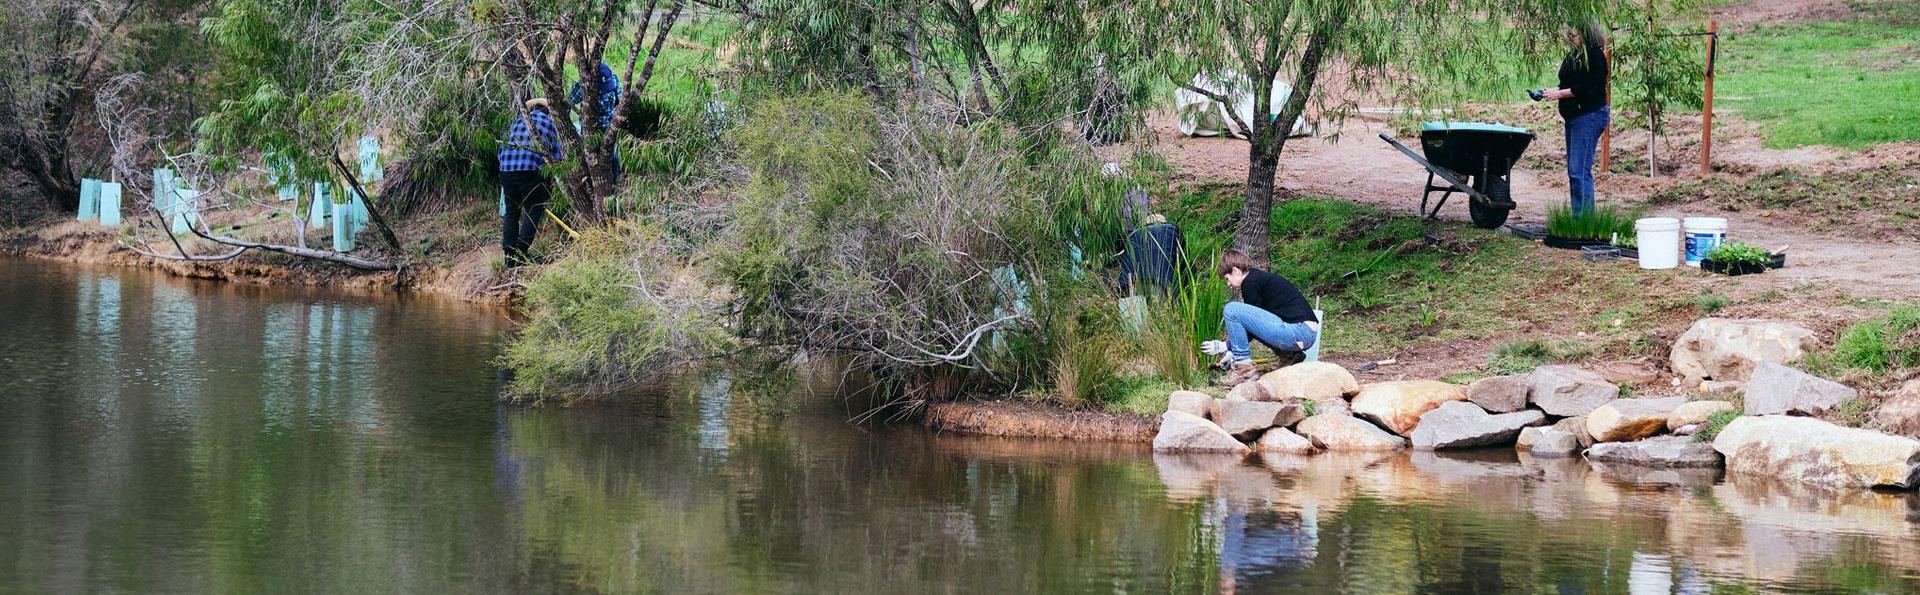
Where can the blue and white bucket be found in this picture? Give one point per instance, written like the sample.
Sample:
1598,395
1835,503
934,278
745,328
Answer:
1703,234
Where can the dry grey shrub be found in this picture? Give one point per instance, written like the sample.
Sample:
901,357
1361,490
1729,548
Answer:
877,233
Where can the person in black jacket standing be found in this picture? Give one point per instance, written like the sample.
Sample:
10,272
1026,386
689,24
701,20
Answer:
1583,104
1274,312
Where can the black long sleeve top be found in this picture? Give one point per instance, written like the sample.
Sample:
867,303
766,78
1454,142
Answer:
1584,72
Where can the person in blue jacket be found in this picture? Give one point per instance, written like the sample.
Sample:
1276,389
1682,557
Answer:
607,100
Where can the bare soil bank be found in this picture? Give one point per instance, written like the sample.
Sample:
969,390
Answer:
469,278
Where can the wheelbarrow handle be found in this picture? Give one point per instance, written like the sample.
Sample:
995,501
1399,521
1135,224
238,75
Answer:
1437,170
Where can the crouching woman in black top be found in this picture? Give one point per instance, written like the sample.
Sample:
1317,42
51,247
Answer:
1274,312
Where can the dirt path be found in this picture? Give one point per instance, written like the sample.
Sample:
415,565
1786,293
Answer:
1362,168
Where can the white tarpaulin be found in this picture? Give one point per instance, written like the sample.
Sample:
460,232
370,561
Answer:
1202,116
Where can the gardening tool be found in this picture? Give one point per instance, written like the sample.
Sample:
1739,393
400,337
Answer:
1481,154
562,224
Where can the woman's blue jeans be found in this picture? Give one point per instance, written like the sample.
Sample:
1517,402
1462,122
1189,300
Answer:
1245,320
1583,140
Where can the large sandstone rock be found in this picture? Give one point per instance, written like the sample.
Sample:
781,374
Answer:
1626,420
1333,431
1459,424
1340,406
1723,387
1900,414
1499,394
1564,391
1548,442
1186,432
1397,406
1724,349
1246,419
1664,451
1776,389
1191,402
1250,391
1576,426
1696,412
1808,450
1313,381
1284,441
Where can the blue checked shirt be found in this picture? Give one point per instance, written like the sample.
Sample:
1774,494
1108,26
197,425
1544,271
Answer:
519,153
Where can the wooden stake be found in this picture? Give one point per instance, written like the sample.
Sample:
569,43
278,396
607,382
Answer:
1706,115
1606,135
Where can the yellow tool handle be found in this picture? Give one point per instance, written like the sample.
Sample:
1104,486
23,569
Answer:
562,224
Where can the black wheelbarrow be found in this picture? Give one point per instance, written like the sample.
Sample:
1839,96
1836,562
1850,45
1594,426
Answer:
1472,158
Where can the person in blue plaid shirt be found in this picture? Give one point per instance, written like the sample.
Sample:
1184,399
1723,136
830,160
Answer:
609,100
521,156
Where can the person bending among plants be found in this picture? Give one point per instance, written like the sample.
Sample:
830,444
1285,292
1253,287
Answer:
1273,311
532,142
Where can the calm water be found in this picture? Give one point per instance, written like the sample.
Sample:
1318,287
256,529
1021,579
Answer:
165,436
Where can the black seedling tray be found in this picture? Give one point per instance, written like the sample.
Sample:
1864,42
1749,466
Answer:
1777,261
1572,244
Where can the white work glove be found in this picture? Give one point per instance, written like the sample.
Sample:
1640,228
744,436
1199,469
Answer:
1215,347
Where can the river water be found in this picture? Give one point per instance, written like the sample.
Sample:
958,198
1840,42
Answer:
168,436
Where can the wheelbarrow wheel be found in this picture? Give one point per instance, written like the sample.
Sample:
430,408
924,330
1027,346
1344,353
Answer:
1492,215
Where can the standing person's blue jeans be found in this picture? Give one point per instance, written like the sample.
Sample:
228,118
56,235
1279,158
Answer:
1583,140
1244,320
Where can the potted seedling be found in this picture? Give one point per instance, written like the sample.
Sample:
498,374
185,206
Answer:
1597,228
1735,258
1627,244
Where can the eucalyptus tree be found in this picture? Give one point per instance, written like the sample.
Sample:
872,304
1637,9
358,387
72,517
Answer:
1415,51
57,54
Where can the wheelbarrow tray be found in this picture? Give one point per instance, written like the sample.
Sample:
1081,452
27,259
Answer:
1470,147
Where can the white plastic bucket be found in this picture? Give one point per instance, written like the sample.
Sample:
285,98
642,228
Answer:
1703,234
1659,241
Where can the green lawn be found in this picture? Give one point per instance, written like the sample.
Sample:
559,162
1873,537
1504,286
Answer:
1848,83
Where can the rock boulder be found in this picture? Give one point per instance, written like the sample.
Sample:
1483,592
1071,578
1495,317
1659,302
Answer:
1567,391
1246,419
1548,442
1191,402
1250,391
1900,414
1576,426
1313,381
1626,420
1812,451
1186,432
1777,389
1459,424
1397,406
1334,431
1696,412
1664,451
1284,441
1725,349
1499,394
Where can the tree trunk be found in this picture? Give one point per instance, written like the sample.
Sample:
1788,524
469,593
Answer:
1256,209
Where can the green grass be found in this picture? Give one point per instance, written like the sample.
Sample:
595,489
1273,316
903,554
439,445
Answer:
1521,357
1850,83
1715,423
1709,302
1881,345
1604,223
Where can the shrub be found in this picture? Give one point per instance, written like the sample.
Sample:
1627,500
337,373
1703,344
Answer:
617,307
911,244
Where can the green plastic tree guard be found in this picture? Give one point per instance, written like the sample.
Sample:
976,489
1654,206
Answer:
110,204
89,199
321,207
342,227
370,170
